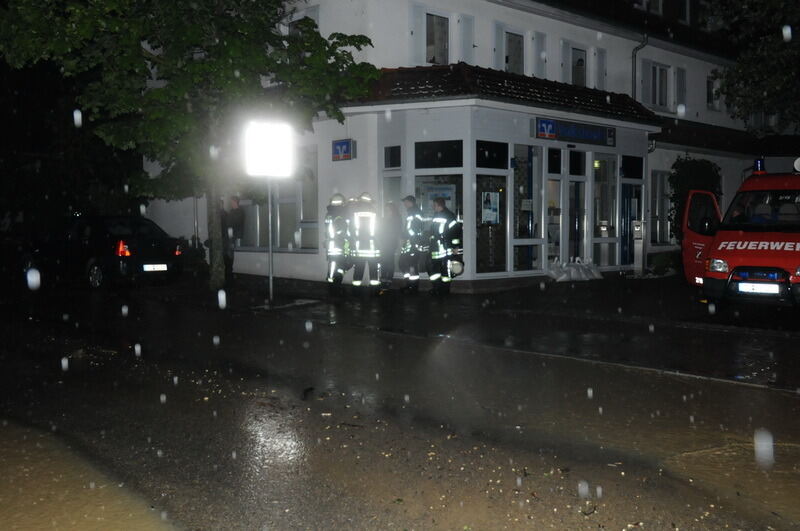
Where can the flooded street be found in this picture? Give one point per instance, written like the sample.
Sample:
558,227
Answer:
298,417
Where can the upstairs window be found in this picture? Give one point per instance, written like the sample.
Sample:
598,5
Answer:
651,6
712,98
436,39
578,62
514,53
655,85
683,11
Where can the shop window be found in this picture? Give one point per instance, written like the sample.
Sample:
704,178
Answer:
632,167
391,157
554,160
429,187
527,257
527,189
659,208
490,199
577,162
514,61
605,196
441,154
436,39
578,62
491,155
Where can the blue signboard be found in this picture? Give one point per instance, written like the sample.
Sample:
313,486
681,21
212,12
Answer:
575,132
344,149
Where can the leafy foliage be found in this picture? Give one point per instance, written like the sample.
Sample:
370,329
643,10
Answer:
690,174
766,37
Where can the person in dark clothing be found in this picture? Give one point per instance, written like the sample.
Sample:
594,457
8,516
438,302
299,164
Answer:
414,249
389,233
446,248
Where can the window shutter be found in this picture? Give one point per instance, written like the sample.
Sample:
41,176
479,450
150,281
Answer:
539,55
680,86
647,89
600,83
499,47
467,39
566,66
417,34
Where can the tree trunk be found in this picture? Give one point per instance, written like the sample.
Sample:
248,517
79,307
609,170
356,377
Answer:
216,277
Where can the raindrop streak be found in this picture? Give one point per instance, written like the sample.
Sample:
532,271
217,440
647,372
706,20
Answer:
125,188
378,377
163,398
712,308
652,328
77,117
137,349
681,110
764,449
589,393
175,380
124,310
233,454
309,326
213,152
222,299
64,364
407,399
215,340
787,33
599,491
583,489
34,279
142,209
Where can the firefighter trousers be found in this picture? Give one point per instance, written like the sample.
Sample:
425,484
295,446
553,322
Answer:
373,268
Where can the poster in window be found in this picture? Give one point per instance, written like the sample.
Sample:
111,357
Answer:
490,208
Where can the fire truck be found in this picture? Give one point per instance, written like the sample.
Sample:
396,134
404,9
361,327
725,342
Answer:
752,254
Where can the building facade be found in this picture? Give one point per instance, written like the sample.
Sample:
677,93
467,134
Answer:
549,127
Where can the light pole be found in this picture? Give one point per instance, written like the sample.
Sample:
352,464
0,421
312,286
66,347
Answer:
268,154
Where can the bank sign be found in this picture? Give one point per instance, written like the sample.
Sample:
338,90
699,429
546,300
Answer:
575,132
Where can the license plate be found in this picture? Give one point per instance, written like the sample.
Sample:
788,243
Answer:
753,287
154,267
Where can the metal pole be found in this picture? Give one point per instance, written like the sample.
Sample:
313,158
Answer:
269,238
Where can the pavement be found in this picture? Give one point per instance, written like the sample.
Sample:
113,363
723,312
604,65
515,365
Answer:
493,411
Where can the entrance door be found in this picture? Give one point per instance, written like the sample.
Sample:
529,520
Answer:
491,223
554,218
630,211
576,236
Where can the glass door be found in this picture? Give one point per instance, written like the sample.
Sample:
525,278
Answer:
553,220
576,242
630,211
491,191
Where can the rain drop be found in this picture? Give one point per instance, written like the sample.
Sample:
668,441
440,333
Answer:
91,484
589,393
543,55
34,279
124,310
163,398
64,364
583,489
542,286
142,209
215,341
407,399
159,453
175,380
787,33
681,110
764,449
387,115
233,454
77,117
712,308
600,410
608,99
65,317
137,349
309,326
236,73
691,419
222,299
213,152
378,377
599,491
163,515
651,328
125,188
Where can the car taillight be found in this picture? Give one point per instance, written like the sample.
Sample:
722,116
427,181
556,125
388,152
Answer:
178,250
122,248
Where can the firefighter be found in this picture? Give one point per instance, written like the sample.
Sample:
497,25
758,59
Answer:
336,240
446,249
414,249
364,250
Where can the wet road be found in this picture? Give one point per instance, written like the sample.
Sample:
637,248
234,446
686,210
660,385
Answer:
472,372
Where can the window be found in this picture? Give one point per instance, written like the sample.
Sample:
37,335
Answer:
540,55
527,193
632,167
436,39
577,163
578,65
680,90
514,62
442,154
448,187
655,84
651,6
391,157
712,98
491,155
683,11
554,160
600,70
605,196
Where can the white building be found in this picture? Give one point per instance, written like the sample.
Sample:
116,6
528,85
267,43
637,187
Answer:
564,118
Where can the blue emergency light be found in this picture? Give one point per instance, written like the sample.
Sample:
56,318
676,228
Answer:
759,166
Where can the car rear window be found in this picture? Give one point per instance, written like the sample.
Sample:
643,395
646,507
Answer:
120,227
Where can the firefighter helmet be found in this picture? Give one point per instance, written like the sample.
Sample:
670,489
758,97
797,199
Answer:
365,197
337,199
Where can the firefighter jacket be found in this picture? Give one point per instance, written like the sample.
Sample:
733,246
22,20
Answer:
414,238
363,231
336,243
446,236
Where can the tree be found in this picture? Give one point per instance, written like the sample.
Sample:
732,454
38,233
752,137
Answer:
765,35
690,174
174,80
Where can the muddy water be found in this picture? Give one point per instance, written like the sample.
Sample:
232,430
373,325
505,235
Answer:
44,485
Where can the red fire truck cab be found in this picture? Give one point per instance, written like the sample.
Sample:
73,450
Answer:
752,254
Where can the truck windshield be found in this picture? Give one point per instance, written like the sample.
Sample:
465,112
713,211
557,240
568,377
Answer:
764,210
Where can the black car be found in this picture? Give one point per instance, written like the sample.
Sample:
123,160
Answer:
96,250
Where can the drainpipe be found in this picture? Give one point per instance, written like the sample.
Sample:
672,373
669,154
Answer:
633,65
